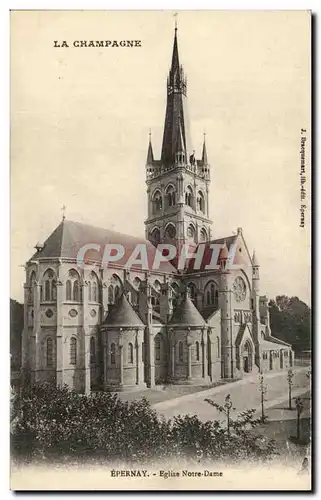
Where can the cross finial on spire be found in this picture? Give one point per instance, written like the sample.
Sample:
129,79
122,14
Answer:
63,210
175,15
150,134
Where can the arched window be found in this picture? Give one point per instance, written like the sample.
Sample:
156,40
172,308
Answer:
114,289
197,351
191,232
158,347
192,291
92,350
47,290
68,290
137,283
50,292
157,285
218,352
155,303
73,290
170,232
155,236
170,196
117,293
203,235
76,291
32,280
189,196
113,354
93,287
95,292
54,290
49,352
110,294
200,202
211,294
130,353
157,201
180,351
73,351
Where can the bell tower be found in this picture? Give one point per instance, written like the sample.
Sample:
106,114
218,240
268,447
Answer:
178,183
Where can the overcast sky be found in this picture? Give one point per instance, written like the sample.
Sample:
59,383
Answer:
81,116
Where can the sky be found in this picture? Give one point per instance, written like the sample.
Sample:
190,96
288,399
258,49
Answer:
80,119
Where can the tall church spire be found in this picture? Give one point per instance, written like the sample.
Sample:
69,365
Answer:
176,120
175,58
204,153
150,154
177,183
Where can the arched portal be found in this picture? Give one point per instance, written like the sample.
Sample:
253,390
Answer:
247,357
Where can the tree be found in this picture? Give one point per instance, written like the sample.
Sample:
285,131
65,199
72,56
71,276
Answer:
226,409
299,409
291,321
16,327
263,391
309,375
290,383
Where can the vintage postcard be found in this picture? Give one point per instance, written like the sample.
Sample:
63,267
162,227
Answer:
160,250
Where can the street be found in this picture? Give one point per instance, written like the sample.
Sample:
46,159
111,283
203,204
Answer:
245,395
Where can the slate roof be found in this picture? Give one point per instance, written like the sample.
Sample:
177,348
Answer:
187,314
122,314
207,256
275,340
69,237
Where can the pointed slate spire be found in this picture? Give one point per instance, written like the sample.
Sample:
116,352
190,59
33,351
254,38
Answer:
255,262
176,127
150,154
204,153
180,145
122,314
175,58
187,314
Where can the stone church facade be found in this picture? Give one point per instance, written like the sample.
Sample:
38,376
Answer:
121,327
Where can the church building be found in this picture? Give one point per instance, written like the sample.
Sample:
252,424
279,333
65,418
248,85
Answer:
126,327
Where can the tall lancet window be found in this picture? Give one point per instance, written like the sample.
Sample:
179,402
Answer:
49,353
50,290
189,196
92,350
73,289
73,351
200,202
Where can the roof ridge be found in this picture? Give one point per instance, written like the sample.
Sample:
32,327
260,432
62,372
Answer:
104,229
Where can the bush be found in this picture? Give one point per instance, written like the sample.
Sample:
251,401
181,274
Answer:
53,422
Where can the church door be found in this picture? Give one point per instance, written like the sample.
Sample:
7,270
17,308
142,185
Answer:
246,364
247,357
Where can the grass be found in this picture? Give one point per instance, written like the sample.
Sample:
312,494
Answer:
282,426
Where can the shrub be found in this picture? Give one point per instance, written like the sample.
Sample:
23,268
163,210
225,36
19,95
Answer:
54,422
